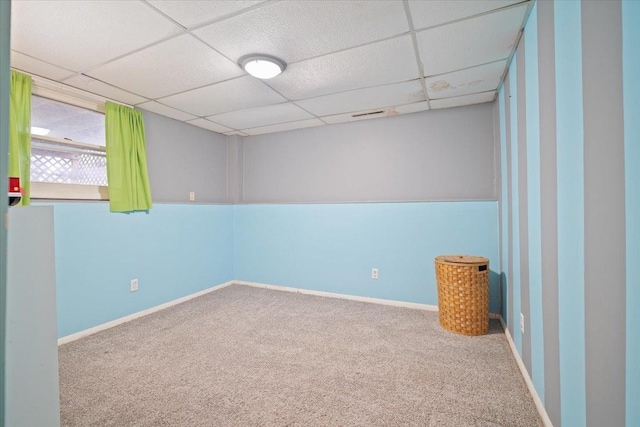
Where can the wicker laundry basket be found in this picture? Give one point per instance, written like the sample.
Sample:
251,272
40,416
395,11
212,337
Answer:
463,293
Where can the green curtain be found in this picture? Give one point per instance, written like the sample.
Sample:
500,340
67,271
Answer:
20,132
126,159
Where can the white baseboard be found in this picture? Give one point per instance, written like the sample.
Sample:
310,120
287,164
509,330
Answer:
393,303
111,324
87,332
381,301
527,379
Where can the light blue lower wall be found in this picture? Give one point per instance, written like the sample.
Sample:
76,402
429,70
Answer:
333,247
174,250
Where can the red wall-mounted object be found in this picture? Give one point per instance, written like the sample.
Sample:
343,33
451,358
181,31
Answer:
15,192
14,184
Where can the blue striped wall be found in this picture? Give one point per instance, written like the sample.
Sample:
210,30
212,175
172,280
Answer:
515,202
583,357
534,203
570,211
504,206
631,90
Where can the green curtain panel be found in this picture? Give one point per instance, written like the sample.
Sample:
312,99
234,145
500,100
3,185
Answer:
20,132
126,159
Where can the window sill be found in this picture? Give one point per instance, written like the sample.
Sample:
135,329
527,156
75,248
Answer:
53,191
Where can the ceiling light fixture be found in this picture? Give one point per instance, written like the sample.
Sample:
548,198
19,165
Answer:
262,66
39,131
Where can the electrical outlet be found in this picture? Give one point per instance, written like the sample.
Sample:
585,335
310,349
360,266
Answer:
522,323
192,196
374,273
134,285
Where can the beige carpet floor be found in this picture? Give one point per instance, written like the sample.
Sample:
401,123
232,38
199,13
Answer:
244,356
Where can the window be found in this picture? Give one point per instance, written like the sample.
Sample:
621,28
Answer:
68,156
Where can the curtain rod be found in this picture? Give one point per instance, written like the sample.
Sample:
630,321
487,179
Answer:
83,94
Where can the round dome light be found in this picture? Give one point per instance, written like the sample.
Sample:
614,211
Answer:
262,66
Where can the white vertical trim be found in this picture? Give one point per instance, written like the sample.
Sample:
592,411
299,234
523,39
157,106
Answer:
527,379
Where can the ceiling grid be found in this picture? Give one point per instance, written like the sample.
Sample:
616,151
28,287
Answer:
345,59
419,62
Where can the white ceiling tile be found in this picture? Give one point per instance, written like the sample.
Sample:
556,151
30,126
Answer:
190,13
99,88
471,42
297,30
437,12
34,66
81,34
173,66
464,82
236,94
476,98
360,115
206,124
412,108
284,126
362,99
156,107
235,132
376,64
262,116
387,112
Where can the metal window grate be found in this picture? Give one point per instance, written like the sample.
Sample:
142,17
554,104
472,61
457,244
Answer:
68,166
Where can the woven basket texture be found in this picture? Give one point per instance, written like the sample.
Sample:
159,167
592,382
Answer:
463,293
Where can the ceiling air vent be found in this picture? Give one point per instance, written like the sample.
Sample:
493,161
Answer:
368,114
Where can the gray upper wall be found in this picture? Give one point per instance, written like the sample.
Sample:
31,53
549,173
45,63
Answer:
183,158
434,155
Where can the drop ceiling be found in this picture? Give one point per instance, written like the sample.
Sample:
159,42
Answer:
344,58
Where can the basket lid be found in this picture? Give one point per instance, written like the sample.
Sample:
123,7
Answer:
462,259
